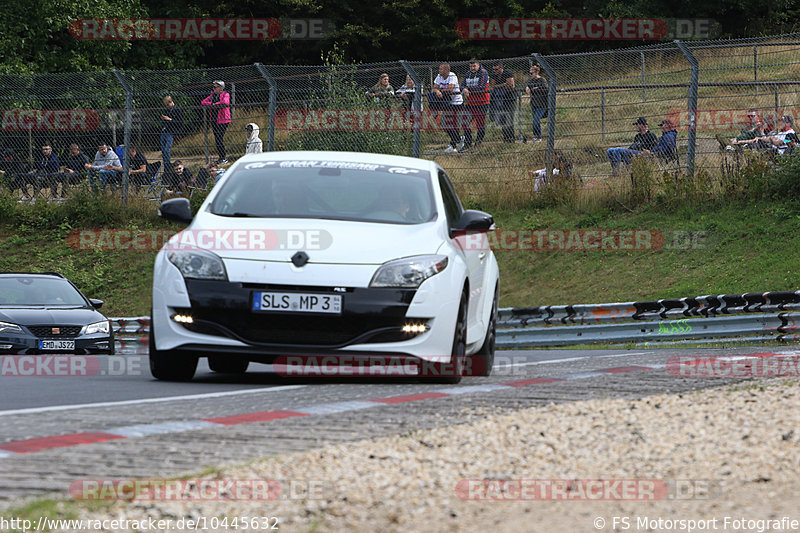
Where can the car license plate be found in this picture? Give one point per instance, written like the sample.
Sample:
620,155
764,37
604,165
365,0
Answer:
297,302
61,346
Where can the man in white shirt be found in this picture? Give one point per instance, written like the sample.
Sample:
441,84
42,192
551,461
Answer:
778,141
446,86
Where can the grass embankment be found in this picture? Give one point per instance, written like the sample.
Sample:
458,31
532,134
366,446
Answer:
741,247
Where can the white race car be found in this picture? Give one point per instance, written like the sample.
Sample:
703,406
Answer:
333,254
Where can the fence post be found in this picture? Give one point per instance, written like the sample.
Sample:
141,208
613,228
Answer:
273,102
777,106
644,80
127,133
416,107
692,105
551,113
755,65
233,98
603,114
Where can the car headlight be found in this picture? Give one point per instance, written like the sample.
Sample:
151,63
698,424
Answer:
9,328
97,327
198,264
408,272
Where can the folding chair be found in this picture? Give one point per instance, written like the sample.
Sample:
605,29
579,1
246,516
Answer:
155,191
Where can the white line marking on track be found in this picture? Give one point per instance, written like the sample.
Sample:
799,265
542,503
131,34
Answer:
473,388
566,360
34,410
157,429
338,407
4,453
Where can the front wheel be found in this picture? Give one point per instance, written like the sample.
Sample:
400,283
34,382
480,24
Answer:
170,365
451,371
482,362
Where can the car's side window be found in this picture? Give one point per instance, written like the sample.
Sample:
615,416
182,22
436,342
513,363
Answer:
452,206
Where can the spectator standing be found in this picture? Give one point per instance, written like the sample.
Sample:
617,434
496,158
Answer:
171,126
448,95
644,140
536,89
105,166
503,99
475,89
220,120
254,144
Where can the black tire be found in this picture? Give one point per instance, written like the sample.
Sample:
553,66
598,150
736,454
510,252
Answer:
452,371
170,365
228,365
481,363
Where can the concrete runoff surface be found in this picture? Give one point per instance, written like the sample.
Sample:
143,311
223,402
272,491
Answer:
736,448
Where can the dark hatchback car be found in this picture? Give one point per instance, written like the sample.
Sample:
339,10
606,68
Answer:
46,313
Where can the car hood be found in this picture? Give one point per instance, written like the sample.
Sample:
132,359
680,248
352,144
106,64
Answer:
41,316
324,241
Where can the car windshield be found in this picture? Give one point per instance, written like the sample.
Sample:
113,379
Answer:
38,291
329,190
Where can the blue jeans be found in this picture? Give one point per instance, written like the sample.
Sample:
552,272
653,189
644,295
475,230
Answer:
105,177
166,144
538,114
621,154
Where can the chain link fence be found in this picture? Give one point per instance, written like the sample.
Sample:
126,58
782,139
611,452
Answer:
543,118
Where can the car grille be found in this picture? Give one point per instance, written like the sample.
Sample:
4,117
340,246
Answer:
63,331
298,330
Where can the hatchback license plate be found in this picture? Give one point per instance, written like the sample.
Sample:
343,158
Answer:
60,346
297,302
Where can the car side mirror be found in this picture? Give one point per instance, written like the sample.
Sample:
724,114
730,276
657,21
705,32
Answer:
176,209
97,304
473,220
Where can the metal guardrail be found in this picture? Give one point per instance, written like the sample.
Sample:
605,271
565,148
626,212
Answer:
744,317
749,317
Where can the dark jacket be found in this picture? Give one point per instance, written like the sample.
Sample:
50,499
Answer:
174,126
76,162
538,87
644,141
665,147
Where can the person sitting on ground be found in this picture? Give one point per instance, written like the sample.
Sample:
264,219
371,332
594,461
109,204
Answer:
665,147
254,144
778,140
749,132
208,175
179,178
106,165
644,140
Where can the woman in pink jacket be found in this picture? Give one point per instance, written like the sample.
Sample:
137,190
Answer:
220,122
